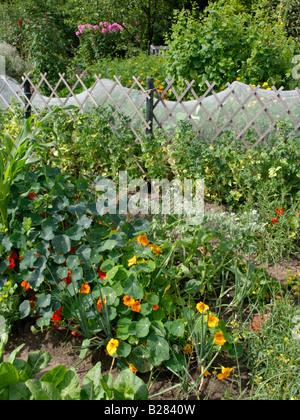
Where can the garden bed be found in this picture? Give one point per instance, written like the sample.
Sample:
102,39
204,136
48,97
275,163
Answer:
63,348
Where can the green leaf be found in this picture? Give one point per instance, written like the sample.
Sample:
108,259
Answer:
141,226
70,387
152,299
43,322
236,351
77,209
139,357
75,233
24,309
62,272
38,360
92,386
176,328
109,295
35,279
158,315
123,326
47,233
84,254
18,392
44,300
142,327
72,262
107,265
110,275
193,286
8,374
123,350
55,375
133,288
108,245
13,354
84,222
176,362
28,259
159,349
128,386
41,391
62,244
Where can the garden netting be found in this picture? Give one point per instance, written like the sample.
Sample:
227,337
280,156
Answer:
236,106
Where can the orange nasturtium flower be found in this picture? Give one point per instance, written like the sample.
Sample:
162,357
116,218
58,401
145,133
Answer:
155,249
155,307
112,346
201,307
85,288
132,261
132,368
225,373
25,284
219,339
128,301
142,239
212,320
99,305
136,306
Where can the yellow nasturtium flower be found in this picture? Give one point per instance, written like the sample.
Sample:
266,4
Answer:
212,320
201,307
225,373
112,346
132,261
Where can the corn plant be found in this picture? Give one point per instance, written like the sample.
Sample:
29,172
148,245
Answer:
20,154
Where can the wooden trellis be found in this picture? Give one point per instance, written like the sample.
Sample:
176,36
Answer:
163,112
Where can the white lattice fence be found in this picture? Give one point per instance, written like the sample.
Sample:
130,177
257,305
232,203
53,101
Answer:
239,108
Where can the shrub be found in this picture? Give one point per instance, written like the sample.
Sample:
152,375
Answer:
46,49
228,42
292,18
101,40
14,64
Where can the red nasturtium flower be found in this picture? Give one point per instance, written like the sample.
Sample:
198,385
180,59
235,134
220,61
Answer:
12,263
32,195
75,333
57,316
68,279
275,220
11,259
279,210
299,213
101,274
